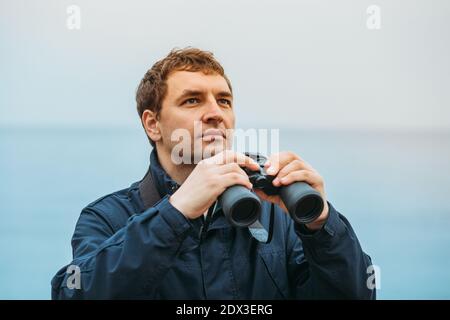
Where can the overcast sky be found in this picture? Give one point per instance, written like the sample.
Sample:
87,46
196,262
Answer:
292,63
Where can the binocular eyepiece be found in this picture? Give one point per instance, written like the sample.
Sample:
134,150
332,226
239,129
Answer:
242,207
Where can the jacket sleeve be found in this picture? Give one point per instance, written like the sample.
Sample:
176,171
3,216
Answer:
111,264
328,263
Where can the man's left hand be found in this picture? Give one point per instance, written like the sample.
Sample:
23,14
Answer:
289,168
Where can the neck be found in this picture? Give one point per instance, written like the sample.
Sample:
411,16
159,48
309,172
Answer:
178,172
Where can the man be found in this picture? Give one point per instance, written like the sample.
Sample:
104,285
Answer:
151,240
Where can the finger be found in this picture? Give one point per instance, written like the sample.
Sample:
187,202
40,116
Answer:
294,165
229,156
310,177
274,199
261,195
231,167
279,160
233,178
268,163
244,161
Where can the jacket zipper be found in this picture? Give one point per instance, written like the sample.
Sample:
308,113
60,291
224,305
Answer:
202,235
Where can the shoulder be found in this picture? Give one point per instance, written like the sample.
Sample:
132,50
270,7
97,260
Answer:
115,208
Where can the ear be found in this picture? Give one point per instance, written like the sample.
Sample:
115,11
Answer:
151,125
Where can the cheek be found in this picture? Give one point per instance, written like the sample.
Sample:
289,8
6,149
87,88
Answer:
229,119
179,124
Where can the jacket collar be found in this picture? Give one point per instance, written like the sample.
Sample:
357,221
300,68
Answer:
163,182
156,183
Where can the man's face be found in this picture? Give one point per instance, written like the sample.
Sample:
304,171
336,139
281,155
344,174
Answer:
201,105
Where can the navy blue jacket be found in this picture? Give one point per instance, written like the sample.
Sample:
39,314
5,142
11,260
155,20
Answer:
129,247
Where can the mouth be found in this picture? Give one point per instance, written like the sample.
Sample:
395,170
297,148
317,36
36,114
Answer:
213,134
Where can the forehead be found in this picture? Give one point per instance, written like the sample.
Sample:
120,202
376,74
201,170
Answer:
179,81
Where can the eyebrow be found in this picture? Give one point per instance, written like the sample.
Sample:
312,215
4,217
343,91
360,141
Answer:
197,93
225,94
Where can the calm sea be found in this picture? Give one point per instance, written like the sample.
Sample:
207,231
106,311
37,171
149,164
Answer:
393,186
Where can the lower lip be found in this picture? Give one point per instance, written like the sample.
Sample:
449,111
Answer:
212,137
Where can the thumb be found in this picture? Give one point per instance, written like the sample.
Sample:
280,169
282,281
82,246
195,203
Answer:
263,196
273,199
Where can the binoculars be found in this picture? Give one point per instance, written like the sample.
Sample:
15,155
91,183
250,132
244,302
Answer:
242,207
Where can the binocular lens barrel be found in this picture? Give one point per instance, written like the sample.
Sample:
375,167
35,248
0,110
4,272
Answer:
303,202
240,206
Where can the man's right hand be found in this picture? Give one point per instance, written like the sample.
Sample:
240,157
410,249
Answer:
209,180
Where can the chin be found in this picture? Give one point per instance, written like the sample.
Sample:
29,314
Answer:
211,152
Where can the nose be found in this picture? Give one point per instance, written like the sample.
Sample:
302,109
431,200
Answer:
213,113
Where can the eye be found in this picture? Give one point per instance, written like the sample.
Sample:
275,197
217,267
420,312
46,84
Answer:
225,101
191,101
